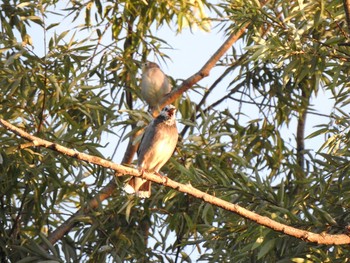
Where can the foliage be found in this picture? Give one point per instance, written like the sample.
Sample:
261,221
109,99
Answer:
77,85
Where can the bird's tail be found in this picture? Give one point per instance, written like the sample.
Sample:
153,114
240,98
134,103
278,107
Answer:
138,186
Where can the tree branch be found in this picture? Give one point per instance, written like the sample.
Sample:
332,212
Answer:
204,71
307,236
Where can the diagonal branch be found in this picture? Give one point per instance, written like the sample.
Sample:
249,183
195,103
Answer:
204,71
327,239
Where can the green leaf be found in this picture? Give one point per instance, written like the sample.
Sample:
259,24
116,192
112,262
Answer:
266,248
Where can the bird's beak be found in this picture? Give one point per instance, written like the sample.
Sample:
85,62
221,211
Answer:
172,111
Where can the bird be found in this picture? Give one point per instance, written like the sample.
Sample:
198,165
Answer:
154,85
156,147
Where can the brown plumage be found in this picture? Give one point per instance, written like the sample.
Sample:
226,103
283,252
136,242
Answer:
156,147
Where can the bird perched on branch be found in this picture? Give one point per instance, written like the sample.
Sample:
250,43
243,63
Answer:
156,147
154,85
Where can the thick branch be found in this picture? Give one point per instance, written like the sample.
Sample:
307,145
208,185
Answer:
261,220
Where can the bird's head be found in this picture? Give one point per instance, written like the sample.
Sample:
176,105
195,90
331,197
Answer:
148,65
168,112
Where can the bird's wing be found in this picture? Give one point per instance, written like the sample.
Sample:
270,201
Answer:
146,138
157,146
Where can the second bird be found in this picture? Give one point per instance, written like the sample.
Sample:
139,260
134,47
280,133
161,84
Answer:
154,85
156,147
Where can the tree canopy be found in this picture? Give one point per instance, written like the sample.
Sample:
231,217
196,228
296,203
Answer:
245,182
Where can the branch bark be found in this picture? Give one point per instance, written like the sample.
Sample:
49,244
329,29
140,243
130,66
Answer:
204,71
323,238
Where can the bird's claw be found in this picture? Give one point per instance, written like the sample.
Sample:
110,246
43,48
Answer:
141,171
159,174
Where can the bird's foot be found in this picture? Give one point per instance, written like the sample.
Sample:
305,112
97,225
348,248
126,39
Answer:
159,174
141,171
